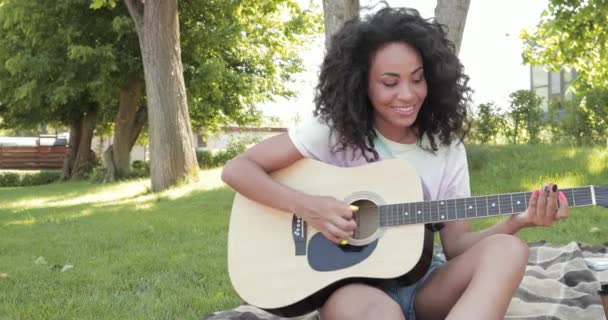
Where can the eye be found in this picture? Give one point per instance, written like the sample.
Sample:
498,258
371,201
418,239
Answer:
392,84
419,80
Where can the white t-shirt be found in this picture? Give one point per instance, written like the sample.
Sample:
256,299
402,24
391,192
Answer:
444,174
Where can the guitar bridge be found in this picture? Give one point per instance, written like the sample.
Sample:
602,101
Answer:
298,232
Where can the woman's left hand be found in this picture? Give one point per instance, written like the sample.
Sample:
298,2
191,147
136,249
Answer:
543,208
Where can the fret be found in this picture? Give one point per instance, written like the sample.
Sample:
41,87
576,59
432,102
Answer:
463,208
407,209
570,195
519,202
481,206
451,209
460,208
583,196
395,214
493,204
403,214
418,211
469,209
442,211
506,203
383,216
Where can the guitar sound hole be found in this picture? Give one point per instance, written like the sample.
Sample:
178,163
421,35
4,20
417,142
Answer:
367,219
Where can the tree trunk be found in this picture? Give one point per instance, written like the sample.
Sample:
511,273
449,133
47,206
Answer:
453,14
74,142
127,126
172,150
85,157
336,12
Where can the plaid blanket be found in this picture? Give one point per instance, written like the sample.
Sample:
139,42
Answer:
561,283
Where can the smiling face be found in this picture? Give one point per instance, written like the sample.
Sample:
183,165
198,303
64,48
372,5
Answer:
397,90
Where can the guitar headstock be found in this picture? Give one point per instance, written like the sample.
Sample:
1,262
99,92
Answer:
601,195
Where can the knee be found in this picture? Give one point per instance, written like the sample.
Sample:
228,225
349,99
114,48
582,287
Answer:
340,305
508,249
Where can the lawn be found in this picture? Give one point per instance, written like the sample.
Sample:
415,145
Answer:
131,254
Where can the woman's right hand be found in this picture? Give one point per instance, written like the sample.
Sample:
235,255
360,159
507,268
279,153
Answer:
331,217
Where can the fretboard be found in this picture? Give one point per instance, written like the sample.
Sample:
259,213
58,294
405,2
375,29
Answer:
473,207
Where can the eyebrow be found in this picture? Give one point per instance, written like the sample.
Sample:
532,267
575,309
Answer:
397,75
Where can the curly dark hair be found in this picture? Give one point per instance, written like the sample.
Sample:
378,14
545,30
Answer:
341,97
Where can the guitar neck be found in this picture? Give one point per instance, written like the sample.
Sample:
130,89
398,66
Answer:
476,207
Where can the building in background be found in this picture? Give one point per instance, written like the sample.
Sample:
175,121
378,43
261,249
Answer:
552,87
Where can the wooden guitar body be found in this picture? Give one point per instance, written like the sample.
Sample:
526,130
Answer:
279,264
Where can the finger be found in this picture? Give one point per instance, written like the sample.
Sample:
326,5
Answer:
344,224
337,232
541,206
563,206
331,237
532,205
551,210
347,212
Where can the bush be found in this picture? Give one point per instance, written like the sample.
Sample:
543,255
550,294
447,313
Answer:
207,159
24,179
585,120
488,123
526,116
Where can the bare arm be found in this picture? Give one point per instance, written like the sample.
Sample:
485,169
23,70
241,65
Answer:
248,174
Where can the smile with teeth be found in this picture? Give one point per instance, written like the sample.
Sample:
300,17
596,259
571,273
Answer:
404,110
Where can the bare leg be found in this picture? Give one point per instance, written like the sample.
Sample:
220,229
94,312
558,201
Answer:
360,302
478,284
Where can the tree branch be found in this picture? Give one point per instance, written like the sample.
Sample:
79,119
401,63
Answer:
136,9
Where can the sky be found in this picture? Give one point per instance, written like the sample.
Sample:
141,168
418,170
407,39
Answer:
490,53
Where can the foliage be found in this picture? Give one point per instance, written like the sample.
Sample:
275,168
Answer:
572,33
586,118
488,123
237,54
62,60
207,159
525,114
23,178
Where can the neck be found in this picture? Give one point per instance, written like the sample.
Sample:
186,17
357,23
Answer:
477,207
407,135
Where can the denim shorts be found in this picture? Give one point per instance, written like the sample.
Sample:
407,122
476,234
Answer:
406,295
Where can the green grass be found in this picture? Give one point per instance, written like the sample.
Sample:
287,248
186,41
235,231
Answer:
138,255
512,168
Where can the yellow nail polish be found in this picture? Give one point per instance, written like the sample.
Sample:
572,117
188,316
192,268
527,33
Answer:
354,208
344,242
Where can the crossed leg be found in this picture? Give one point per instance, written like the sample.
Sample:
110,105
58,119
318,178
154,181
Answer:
478,284
360,302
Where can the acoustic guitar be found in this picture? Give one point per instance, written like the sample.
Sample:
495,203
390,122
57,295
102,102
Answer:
278,263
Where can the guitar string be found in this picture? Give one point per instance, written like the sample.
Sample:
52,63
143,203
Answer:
397,217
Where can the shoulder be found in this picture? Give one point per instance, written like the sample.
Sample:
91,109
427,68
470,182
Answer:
315,139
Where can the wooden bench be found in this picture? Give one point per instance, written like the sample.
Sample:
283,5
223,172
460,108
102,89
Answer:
32,157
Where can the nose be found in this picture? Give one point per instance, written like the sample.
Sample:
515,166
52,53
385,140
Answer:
406,92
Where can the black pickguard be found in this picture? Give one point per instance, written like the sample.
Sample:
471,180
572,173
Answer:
324,255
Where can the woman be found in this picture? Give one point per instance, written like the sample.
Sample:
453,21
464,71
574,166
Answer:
391,87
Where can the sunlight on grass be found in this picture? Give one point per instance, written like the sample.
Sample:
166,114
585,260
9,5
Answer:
109,193
24,222
596,161
207,180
